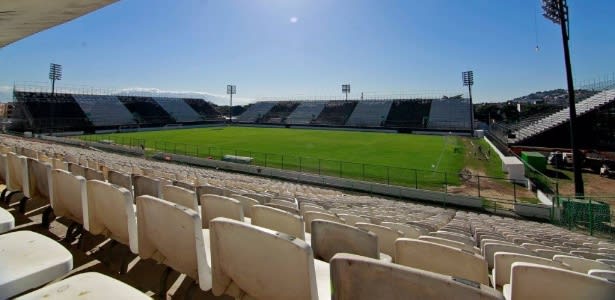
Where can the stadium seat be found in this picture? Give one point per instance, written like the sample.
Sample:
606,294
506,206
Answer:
330,238
246,203
39,174
7,221
503,262
181,196
29,260
77,169
409,231
450,243
531,281
581,265
386,237
352,219
441,259
213,206
92,174
120,179
454,237
69,200
257,263
144,185
311,207
16,178
283,207
310,216
111,213
278,220
490,249
171,234
214,190
588,255
59,164
94,285
606,274
548,253
358,277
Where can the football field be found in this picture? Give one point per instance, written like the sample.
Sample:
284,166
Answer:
401,158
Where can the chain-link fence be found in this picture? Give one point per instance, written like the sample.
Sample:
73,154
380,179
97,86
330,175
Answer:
590,214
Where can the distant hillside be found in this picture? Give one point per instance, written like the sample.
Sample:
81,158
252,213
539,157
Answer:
553,97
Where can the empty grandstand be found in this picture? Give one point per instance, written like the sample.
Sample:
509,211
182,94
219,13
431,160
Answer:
204,108
306,112
336,113
51,112
178,109
409,113
370,113
449,114
104,110
255,112
37,111
278,113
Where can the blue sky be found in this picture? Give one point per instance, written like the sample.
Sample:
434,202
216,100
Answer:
277,48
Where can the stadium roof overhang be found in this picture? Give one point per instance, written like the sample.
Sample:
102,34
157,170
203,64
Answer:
21,18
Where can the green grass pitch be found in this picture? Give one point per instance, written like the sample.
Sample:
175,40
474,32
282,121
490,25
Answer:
383,157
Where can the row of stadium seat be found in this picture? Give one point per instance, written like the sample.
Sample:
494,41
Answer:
412,240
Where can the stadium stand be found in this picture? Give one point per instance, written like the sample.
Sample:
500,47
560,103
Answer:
204,108
57,111
370,113
449,114
306,112
104,110
173,235
146,110
409,113
178,109
255,112
563,116
279,112
336,113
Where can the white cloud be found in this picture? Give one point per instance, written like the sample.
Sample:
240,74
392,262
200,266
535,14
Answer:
294,20
6,93
214,98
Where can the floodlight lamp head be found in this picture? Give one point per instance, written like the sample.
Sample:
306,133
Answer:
468,78
231,89
552,10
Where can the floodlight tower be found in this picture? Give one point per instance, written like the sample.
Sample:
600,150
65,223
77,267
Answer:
346,90
230,90
557,12
55,73
468,80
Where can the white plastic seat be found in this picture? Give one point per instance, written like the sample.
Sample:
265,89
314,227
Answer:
450,243
386,237
283,207
330,238
91,174
69,196
76,169
531,281
246,203
310,216
358,277
503,262
29,260
606,274
454,237
171,234
16,173
90,285
144,185
213,206
120,179
490,249
7,221
111,213
278,220
441,259
409,231
352,219
581,265
252,262
181,196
